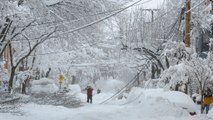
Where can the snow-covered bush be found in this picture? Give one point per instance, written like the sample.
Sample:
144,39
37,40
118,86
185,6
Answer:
174,75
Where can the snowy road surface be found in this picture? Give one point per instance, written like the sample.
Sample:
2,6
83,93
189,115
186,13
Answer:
100,112
142,109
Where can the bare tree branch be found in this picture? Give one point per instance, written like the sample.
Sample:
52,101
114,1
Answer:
34,47
27,40
152,54
4,34
23,29
13,36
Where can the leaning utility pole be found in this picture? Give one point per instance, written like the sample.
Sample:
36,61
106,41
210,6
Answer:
187,20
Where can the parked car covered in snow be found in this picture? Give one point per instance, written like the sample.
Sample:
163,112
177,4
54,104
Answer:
182,100
44,85
176,99
196,98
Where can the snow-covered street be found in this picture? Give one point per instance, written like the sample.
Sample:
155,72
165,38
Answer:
142,108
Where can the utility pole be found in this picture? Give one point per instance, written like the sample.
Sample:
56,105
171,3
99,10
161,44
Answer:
152,16
151,11
187,31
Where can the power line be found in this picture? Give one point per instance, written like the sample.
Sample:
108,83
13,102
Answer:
102,19
114,10
76,48
63,51
109,11
62,21
95,22
132,81
67,21
195,6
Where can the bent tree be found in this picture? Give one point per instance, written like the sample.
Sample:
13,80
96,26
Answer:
15,62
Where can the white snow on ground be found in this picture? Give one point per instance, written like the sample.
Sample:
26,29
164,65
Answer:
141,104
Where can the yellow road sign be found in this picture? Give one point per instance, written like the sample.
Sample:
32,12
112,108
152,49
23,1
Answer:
61,77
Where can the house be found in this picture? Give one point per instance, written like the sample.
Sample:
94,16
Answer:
204,34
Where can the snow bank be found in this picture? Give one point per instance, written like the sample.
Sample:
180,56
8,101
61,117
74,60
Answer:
136,95
179,99
44,85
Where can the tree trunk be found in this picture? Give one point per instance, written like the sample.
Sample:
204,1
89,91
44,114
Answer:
12,74
23,90
177,87
153,72
167,62
201,91
138,79
73,80
47,73
186,88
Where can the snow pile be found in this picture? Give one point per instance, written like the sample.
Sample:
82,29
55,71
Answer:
178,99
136,95
44,85
110,85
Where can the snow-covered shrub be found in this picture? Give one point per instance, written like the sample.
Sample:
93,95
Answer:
21,77
174,75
